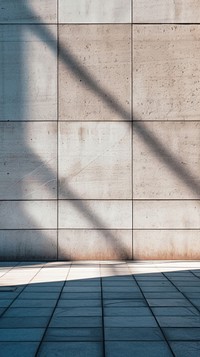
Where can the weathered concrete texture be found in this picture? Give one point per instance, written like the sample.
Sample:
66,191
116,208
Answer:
28,244
166,244
28,168
166,160
28,214
28,11
166,84
28,76
166,214
95,72
95,244
166,11
95,11
95,160
95,214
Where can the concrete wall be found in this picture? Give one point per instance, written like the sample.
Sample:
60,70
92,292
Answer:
99,129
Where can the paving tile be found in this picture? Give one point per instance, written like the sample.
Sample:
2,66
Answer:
196,302
182,333
81,289
77,311
133,334
83,283
154,283
116,278
42,289
185,349
77,321
118,283
179,321
18,349
124,303
81,296
34,303
158,289
71,349
162,295
119,289
5,303
191,295
130,321
127,311
74,334
79,303
23,322
8,295
21,334
27,311
122,295
38,296
137,349
175,311
169,302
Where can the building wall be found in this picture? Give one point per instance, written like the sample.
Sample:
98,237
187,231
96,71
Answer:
99,129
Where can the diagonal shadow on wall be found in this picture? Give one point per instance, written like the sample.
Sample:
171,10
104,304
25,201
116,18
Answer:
163,153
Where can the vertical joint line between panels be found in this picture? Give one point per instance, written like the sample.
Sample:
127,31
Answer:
132,120
57,98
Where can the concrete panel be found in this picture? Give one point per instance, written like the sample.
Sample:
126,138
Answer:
167,11
28,160
166,160
165,244
166,214
28,214
28,245
95,244
166,74
95,214
95,72
95,160
28,11
95,11
28,58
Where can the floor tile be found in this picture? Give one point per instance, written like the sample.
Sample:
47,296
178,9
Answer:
71,349
34,303
130,321
168,302
76,321
23,322
127,311
185,349
133,334
79,303
77,311
182,333
175,311
18,349
28,311
179,321
74,334
21,334
137,349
